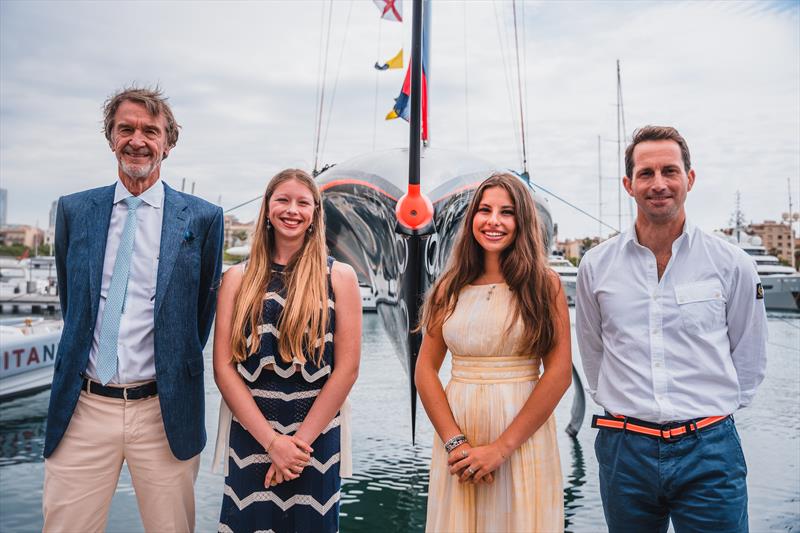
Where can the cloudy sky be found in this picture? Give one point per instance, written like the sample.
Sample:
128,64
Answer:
243,79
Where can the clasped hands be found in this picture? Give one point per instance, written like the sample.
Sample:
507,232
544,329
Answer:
475,465
289,455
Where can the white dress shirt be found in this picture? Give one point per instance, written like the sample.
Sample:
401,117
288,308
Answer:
135,351
690,345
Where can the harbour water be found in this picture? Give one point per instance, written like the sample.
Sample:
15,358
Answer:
389,490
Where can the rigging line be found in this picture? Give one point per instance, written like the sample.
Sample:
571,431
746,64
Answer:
466,72
624,131
519,91
575,207
619,155
525,77
783,345
788,323
319,79
322,91
506,74
375,102
336,79
259,197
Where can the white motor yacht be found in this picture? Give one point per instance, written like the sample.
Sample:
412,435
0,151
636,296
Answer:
28,347
781,283
568,274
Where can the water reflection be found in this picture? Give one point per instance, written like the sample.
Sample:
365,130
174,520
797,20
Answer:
575,480
392,489
22,424
389,491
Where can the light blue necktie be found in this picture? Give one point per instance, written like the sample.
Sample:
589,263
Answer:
115,301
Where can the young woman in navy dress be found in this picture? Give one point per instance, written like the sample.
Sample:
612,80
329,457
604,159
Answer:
286,353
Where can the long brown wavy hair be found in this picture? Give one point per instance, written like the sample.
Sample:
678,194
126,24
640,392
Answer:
523,265
304,319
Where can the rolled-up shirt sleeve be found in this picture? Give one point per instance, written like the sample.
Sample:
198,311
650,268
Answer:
588,326
747,329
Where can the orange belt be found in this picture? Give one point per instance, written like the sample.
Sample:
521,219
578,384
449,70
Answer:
670,432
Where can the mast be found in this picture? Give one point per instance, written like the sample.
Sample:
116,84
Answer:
619,152
737,219
599,190
414,212
519,91
791,219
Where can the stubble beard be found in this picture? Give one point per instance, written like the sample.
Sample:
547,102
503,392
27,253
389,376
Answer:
139,172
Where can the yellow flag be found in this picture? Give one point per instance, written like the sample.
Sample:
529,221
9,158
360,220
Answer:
396,61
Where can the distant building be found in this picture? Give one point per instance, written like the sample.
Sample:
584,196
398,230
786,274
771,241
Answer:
18,234
50,238
3,207
53,211
237,233
575,248
776,238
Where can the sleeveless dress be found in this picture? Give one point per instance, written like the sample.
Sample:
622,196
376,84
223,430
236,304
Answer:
285,395
489,384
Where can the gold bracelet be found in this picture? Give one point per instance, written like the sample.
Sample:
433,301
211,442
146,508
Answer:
272,441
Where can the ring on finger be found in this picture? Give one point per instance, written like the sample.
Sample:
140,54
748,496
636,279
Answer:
471,470
464,453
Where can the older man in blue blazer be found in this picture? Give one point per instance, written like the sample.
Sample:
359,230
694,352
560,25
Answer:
138,265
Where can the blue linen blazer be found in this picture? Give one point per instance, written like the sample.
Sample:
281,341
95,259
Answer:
188,277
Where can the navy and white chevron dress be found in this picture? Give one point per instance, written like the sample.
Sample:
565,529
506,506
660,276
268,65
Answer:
284,394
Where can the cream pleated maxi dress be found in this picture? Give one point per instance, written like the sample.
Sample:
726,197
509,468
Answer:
490,383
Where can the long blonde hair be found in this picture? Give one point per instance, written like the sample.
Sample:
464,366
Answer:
523,264
304,320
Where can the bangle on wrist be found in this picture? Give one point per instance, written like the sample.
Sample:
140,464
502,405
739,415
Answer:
454,442
274,438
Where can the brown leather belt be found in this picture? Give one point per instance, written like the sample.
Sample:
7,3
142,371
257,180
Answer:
671,431
138,392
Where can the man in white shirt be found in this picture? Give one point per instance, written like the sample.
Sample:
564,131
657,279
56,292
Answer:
672,333
138,264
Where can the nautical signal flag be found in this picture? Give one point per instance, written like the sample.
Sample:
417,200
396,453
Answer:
395,62
401,103
390,9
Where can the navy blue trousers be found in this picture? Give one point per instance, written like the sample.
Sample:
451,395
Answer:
699,481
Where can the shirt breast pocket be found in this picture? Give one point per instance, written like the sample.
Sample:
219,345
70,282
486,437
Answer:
701,305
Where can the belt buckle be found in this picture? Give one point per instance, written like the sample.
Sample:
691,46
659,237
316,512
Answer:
667,428
125,393
688,426
668,431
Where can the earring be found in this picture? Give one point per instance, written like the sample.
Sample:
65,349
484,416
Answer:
269,224
310,229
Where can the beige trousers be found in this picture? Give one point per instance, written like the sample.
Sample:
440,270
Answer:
80,477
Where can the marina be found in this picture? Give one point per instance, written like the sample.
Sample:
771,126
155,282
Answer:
781,283
392,209
28,347
390,474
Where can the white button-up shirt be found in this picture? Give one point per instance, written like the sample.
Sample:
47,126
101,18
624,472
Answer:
690,345
135,351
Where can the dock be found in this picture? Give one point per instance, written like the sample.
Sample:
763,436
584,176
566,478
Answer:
33,303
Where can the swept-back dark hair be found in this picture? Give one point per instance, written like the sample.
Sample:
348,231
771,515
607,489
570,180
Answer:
657,133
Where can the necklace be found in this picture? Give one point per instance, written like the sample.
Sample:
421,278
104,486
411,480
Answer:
491,291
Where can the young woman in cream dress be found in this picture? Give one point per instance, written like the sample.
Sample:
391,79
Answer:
502,314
